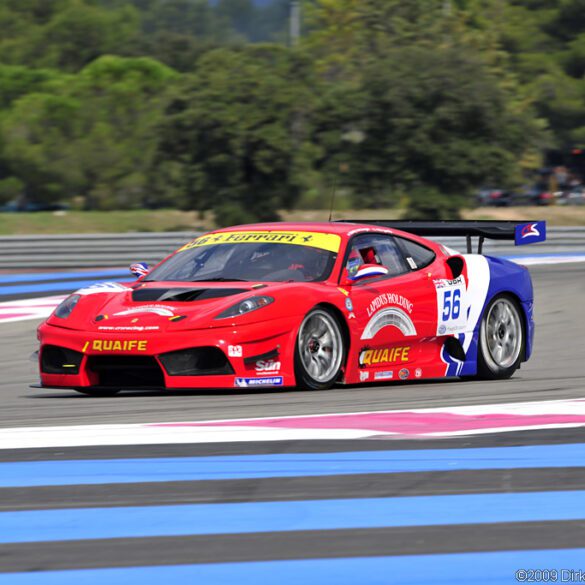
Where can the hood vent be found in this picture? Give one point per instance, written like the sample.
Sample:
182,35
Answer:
183,295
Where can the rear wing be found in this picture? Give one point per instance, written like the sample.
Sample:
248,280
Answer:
521,233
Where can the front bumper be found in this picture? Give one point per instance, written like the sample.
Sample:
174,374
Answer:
255,355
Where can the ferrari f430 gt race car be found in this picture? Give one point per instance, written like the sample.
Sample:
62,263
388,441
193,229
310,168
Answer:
306,305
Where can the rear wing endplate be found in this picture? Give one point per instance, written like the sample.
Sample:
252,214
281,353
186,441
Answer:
521,233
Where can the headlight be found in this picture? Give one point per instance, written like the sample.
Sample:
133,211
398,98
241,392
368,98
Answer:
246,306
64,309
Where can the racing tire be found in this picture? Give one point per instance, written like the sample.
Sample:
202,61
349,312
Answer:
97,393
319,350
501,339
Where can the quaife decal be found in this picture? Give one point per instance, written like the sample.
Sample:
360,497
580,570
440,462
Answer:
451,305
329,242
249,382
264,367
380,357
116,345
384,375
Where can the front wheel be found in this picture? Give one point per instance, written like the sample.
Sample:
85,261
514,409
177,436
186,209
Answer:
319,350
501,339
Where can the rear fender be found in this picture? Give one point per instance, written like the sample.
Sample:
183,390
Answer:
487,278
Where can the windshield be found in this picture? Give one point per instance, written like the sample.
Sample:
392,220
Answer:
252,256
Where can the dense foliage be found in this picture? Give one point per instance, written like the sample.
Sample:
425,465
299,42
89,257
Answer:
203,105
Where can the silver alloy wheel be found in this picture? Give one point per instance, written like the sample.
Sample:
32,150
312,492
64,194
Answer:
320,346
502,334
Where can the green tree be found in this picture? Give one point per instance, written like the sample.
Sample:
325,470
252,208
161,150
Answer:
234,136
95,137
422,110
66,34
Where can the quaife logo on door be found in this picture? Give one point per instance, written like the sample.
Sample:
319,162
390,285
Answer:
384,356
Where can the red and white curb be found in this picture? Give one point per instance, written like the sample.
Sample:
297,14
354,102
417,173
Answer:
393,424
12,311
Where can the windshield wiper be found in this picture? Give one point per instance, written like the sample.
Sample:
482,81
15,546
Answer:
220,279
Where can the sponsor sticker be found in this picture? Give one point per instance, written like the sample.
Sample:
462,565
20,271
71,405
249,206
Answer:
264,367
330,242
451,305
530,233
251,382
364,376
378,357
384,375
404,373
348,304
353,266
116,345
411,263
389,299
161,310
389,317
417,373
234,350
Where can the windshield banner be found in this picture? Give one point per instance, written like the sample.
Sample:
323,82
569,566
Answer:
330,242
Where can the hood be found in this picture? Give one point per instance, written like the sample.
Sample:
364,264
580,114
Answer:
154,306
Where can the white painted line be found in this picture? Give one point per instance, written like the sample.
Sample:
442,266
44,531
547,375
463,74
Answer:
468,420
544,260
94,435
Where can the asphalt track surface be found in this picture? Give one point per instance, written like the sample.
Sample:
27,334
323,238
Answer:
555,371
465,526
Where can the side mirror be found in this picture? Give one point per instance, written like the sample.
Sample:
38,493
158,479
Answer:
139,269
364,271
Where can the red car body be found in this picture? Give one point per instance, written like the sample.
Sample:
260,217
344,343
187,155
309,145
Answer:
129,336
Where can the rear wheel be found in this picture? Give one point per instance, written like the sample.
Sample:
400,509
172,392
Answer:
319,350
501,339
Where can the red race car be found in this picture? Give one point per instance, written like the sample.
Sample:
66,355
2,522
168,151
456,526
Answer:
305,305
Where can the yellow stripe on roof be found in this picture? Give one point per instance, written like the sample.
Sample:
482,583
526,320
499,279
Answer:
330,242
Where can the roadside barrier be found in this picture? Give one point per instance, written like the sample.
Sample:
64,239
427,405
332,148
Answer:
105,250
